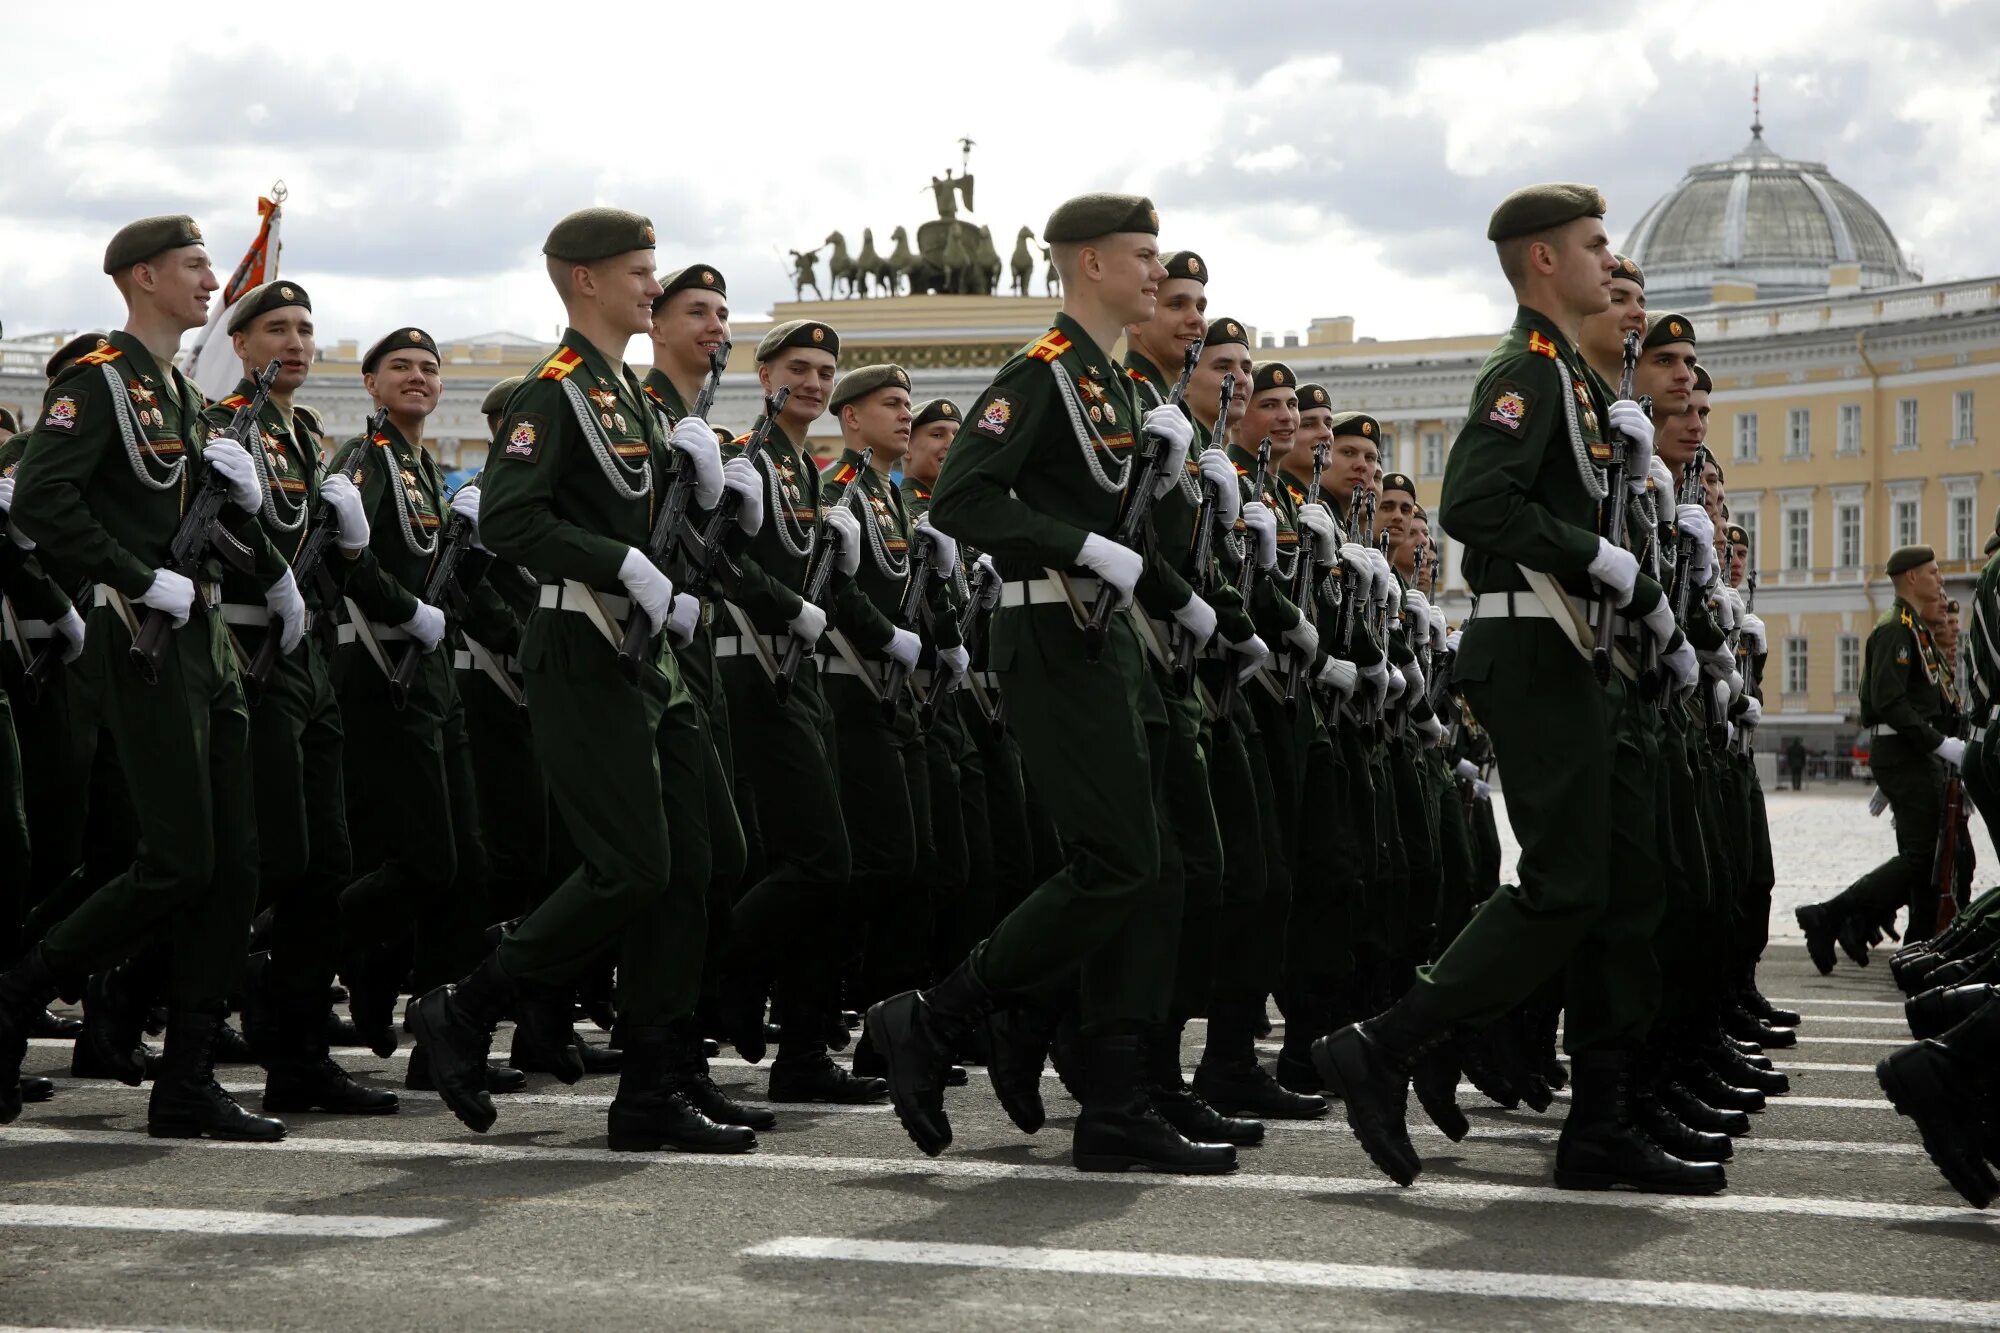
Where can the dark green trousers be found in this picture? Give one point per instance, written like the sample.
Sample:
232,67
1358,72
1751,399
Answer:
1754,925
885,804
1239,785
727,853
16,861
514,804
1190,853
1455,856
963,894
1982,778
82,829
184,744
1914,783
627,767
1007,819
1684,945
1417,921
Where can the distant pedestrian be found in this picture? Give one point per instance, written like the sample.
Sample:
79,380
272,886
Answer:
1795,761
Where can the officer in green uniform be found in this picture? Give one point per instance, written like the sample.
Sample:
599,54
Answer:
115,461
1982,687
572,479
1037,480
1522,487
1903,707
304,858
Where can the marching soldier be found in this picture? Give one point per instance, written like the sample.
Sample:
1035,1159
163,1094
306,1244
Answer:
1982,687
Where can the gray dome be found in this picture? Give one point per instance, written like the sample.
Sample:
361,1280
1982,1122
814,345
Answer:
1764,219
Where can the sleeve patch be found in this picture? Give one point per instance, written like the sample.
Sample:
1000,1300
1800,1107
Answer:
996,415
1508,408
524,437
62,413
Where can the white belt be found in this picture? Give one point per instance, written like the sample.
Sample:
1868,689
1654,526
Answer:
31,629
208,593
836,665
1510,606
988,680
737,645
243,613
383,633
461,660
562,597
1036,592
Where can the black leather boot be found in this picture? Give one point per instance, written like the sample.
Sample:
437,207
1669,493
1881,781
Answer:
709,1099
1697,1114
1853,934
544,1035
1738,1072
739,1007
916,1032
1367,1065
1817,922
1700,1078
301,1075
1937,1083
1601,1148
1743,1025
1435,1078
259,1009
35,1088
232,1047
1980,967
1180,1105
46,1024
455,1024
1118,1129
25,991
1755,1001
187,1102
1018,1041
653,1109
374,980
1657,1120
1233,1080
803,1070
1937,1011
114,1019
500,1078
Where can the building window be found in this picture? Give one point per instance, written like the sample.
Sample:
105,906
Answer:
1849,441
1798,538
1903,519
1795,664
1906,423
1847,663
1746,437
1959,535
1847,535
1433,455
1798,433
1961,417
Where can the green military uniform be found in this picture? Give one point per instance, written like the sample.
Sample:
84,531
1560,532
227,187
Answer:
1982,688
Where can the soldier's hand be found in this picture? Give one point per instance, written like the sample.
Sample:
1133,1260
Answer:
904,648
172,593
989,596
70,630
741,478
943,549
1413,680
1395,682
1118,565
651,589
1418,608
288,609
1440,633
1262,524
1176,433
1303,639
1753,632
1385,582
1197,617
465,505
1952,751
7,503
1219,472
426,627
846,530
956,664
1878,801
1636,425
1680,662
1482,790
1753,712
1338,675
808,624
1315,519
696,438
1431,730
1453,639
1254,653
344,498
1377,675
683,619
1616,571
1466,769
1354,556
231,462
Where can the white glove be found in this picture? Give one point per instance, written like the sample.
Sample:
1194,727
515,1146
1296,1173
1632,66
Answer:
1313,518
427,625
651,589
1878,801
1719,661
1636,425
808,624
1397,683
1440,634
70,630
1729,608
1119,566
956,663
1466,769
1418,608
1431,730
1385,582
1377,675
1720,691
1753,632
465,505
1453,639
1615,569
7,503
696,438
1753,712
740,475
903,648
232,463
1338,674
1303,638
683,619
1693,521
1254,654
1171,425
846,529
350,523
1662,479
1219,472
990,598
1197,617
1952,750
1413,678
1735,684
1482,790
1659,622
1680,662
943,550
288,609
1354,556
172,593
1262,524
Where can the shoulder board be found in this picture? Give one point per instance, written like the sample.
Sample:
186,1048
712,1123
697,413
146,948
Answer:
311,417
1049,346
564,364
382,441
1541,346
843,474
104,355
651,392
1134,373
921,491
232,402
742,440
1296,491
1241,471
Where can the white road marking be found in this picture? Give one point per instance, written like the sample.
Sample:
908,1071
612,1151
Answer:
1388,1280
1903,1040
1429,1193
504,1100
214,1222
1823,999
1786,1099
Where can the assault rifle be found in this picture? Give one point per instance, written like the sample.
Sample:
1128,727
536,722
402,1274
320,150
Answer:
909,611
440,590
1181,644
1605,625
1232,679
969,622
704,548
1302,583
819,573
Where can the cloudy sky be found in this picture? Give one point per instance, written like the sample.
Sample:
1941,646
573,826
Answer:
1326,158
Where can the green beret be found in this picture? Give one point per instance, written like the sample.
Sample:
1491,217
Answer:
1906,558
1272,375
81,345
1703,382
1664,328
497,396
1397,481
390,342
864,380
136,242
262,300
1539,207
695,277
1737,535
1222,331
1629,271
1993,543
8,421
1312,397
1357,423
799,333
1185,264
937,409
1089,216
591,234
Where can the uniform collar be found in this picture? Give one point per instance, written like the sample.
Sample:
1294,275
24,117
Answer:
1140,363
596,364
1084,347
1534,321
663,392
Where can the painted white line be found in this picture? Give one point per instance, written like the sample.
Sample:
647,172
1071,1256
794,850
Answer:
1785,1066
1851,1019
1786,1099
1429,1193
1393,1281
1751,1143
1823,999
506,1099
214,1222
1903,1040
